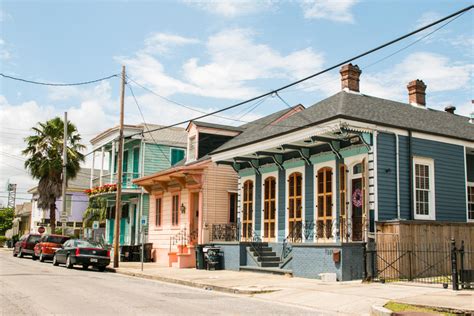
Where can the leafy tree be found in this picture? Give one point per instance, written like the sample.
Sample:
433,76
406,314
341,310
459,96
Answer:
44,151
96,211
6,219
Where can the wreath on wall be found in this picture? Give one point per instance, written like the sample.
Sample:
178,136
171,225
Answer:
357,198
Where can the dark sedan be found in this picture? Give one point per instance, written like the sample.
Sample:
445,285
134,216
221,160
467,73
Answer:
82,252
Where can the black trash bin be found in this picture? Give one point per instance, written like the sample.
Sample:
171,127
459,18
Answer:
125,253
199,257
213,258
147,254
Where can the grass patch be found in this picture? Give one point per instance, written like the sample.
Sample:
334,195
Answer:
401,307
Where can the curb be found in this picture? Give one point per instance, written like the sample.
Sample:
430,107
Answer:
202,286
377,310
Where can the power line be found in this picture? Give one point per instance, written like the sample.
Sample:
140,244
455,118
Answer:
318,73
383,58
58,84
146,125
183,105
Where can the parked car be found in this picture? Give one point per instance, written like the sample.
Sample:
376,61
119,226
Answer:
82,252
25,245
47,246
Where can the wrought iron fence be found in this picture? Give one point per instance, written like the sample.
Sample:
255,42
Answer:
298,230
224,232
431,263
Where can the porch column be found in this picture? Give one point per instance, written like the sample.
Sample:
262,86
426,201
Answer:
309,218
112,164
92,170
337,196
102,156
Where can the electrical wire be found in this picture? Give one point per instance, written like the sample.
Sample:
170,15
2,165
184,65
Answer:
146,125
58,84
320,72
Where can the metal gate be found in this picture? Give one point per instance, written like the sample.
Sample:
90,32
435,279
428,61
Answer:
433,263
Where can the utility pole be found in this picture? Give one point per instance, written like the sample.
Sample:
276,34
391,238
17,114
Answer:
63,213
118,198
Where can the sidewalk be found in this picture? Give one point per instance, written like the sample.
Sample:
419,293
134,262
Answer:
342,297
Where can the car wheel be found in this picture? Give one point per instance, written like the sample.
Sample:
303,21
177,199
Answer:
85,266
101,268
69,265
41,258
14,253
20,254
55,261
33,257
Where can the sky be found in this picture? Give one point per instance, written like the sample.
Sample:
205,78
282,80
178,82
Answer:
211,54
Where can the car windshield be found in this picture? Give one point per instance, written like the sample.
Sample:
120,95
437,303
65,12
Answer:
34,238
56,239
86,244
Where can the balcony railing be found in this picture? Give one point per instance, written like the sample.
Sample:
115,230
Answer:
127,178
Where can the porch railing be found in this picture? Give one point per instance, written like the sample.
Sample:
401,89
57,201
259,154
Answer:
299,229
183,238
224,232
127,179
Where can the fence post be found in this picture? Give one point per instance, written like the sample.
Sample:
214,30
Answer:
454,267
365,262
410,276
461,268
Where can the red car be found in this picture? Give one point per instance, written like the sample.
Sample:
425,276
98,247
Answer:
47,246
25,245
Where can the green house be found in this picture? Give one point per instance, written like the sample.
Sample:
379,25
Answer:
144,153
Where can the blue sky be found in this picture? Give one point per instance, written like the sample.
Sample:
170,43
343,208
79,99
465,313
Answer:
212,54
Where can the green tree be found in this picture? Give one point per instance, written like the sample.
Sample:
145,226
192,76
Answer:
6,219
96,211
44,151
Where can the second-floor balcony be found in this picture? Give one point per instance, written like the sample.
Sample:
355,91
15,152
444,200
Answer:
127,178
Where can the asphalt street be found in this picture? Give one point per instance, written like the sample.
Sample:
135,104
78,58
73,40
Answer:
30,287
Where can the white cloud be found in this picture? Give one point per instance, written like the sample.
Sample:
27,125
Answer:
440,74
4,51
334,10
231,8
235,61
427,18
163,42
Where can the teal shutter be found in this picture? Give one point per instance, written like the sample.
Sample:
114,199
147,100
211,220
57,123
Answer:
136,162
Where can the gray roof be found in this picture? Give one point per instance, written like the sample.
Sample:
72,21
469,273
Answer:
173,136
362,108
218,126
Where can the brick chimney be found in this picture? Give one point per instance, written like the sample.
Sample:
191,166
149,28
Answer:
350,77
416,92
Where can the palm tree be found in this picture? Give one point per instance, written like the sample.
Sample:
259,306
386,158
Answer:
44,152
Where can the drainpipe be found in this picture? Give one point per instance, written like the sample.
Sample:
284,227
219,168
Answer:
397,155
410,155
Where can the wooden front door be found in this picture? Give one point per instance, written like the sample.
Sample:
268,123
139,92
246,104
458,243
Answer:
324,223
295,207
194,217
269,209
247,211
357,202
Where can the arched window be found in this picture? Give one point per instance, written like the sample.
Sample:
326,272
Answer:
269,208
324,222
247,210
295,206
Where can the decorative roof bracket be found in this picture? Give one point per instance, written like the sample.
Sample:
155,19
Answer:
277,158
303,151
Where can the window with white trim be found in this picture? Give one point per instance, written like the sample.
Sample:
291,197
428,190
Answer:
423,188
470,201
